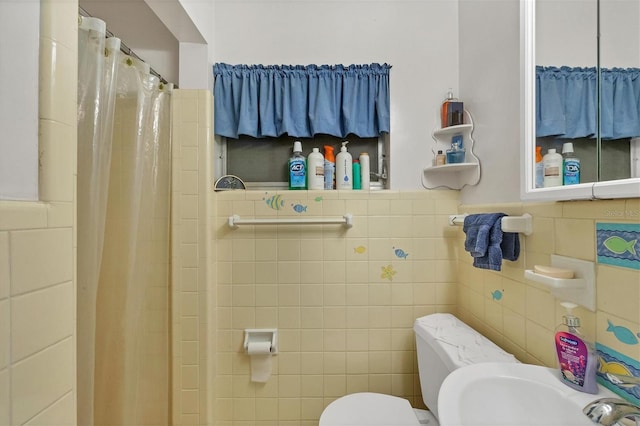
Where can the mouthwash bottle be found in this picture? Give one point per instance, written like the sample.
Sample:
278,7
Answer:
576,356
297,168
570,165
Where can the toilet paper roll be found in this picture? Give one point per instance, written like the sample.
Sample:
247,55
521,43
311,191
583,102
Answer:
261,360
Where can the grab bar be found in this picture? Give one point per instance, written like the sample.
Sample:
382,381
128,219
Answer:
522,224
346,220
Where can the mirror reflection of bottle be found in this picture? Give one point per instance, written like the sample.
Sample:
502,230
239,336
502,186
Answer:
552,162
539,168
570,165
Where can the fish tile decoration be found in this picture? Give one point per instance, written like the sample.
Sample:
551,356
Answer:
275,201
612,369
299,208
623,334
497,294
617,244
400,254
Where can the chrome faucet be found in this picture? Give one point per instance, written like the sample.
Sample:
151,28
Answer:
609,411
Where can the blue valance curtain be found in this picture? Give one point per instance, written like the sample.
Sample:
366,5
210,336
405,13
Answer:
271,100
566,102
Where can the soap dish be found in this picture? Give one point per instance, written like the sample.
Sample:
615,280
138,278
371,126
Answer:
581,289
553,282
553,272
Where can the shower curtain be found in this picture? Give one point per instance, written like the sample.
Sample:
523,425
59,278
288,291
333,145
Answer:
96,97
129,349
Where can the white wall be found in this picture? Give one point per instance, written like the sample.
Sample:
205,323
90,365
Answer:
490,87
19,44
418,38
566,33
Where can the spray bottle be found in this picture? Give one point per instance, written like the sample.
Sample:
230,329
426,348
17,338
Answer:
329,167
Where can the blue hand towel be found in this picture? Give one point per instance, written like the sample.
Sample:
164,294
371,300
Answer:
487,243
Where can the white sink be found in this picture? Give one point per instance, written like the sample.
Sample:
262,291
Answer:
511,394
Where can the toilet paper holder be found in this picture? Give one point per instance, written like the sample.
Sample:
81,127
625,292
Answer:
261,335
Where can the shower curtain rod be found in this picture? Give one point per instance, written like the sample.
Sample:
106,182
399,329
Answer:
126,49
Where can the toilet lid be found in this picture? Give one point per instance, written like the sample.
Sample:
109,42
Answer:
369,409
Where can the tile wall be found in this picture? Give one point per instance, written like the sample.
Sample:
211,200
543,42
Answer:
193,302
344,301
37,249
523,320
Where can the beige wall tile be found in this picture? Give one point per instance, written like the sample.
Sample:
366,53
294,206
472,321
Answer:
58,156
539,343
59,102
50,249
618,292
594,209
60,214
62,412
41,318
575,238
4,265
266,409
5,335
35,373
22,215
5,416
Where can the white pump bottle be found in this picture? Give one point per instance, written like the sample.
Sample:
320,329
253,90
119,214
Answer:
344,168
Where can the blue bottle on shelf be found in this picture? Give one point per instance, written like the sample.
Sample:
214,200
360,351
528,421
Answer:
456,154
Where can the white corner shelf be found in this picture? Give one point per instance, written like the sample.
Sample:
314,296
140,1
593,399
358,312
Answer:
451,168
457,175
580,290
453,130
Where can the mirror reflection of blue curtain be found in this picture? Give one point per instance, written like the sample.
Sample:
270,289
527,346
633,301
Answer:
271,100
566,102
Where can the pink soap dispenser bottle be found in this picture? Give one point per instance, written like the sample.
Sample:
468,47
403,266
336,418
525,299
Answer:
576,356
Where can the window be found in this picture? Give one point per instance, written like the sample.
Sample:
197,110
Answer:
260,110
262,163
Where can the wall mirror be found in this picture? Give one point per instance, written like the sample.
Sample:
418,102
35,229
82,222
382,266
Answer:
581,85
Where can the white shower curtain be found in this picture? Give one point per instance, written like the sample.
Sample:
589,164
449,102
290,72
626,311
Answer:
131,342
96,98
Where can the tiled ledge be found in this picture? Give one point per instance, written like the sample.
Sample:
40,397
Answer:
22,215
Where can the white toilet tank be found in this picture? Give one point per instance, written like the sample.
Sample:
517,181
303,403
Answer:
444,343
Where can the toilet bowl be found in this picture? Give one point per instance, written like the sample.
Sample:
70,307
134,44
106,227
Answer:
443,344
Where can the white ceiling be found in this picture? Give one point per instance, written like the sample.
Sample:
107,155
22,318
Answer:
152,29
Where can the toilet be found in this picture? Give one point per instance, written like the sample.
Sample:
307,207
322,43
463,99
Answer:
443,343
